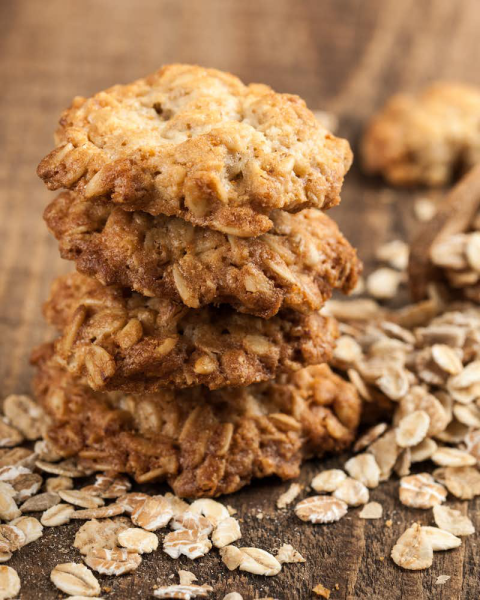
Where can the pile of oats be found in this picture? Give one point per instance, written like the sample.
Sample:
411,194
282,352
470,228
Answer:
421,365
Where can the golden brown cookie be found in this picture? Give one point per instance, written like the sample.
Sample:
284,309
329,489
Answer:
425,138
198,144
296,265
203,443
122,340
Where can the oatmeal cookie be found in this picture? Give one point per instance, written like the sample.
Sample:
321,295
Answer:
122,340
425,138
296,265
198,144
203,443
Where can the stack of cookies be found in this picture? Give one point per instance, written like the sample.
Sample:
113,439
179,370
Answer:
191,346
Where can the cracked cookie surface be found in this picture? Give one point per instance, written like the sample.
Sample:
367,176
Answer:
122,340
203,443
294,266
198,144
425,138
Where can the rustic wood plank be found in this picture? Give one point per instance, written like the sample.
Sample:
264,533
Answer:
346,55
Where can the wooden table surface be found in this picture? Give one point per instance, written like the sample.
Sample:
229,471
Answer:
343,55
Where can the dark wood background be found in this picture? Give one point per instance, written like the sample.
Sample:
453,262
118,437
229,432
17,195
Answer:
347,56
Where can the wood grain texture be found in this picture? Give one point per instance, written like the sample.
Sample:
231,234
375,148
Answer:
343,55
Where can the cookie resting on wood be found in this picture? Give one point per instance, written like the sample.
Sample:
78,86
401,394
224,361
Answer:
198,144
425,139
203,443
296,265
122,340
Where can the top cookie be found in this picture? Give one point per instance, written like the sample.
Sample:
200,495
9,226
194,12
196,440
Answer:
425,139
198,144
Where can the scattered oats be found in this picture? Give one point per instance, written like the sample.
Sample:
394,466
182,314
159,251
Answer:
447,359
362,309
288,554
132,500
467,414
17,457
423,451
360,385
75,579
194,521
328,481
363,468
79,498
12,472
226,532
31,527
369,437
186,577
413,550
57,515
453,521
321,590
452,457
403,463
67,468
455,433
102,512
412,429
462,482
183,592
9,436
25,415
441,579
421,491
394,381
259,516
394,253
115,561
45,451
99,534
353,492
152,514
289,496
187,542
108,487
214,511
371,510
231,511
5,557
441,539
233,596
472,251
8,507
321,509
472,442
383,283
9,582
55,484
424,209
26,485
7,488
138,540
251,560
41,502
347,351
11,538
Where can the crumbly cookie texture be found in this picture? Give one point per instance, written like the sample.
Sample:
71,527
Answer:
296,265
425,138
203,443
122,340
198,144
